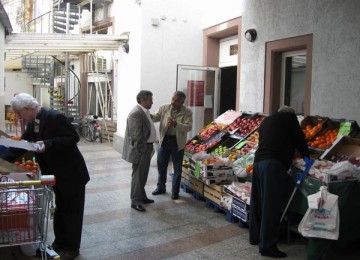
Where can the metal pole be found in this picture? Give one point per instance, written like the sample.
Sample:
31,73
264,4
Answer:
66,86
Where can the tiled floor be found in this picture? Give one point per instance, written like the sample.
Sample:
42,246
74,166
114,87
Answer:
182,229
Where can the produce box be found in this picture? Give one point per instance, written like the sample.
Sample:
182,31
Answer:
247,125
8,142
311,125
214,193
218,180
240,204
193,183
210,130
228,117
224,172
344,146
224,146
347,127
325,137
243,215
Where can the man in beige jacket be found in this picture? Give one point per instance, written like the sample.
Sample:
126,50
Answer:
175,121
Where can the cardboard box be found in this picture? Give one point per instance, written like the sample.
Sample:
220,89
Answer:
343,146
240,204
19,144
313,120
218,180
217,173
243,215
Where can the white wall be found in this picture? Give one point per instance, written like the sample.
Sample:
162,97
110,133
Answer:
17,82
335,90
2,86
155,51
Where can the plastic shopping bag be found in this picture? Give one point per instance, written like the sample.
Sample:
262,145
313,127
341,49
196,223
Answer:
323,220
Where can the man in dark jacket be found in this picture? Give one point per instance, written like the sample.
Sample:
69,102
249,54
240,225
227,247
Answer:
279,136
58,155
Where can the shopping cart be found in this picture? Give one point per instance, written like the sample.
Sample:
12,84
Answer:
24,213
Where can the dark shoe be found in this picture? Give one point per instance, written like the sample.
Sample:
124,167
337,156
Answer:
273,252
69,254
147,201
157,192
138,207
175,196
57,247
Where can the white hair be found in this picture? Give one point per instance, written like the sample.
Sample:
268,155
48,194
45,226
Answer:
286,109
21,100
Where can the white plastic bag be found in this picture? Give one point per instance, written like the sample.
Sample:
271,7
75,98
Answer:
322,221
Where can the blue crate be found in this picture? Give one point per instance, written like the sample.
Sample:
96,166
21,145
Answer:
243,215
240,204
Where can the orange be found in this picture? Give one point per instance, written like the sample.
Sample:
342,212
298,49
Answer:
16,138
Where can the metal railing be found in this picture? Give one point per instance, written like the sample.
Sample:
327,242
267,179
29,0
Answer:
42,22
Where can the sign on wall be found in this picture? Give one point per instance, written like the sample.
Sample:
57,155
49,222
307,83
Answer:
195,89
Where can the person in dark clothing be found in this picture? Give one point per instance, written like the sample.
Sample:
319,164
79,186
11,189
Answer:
280,135
58,155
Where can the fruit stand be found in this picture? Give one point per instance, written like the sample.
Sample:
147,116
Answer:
234,141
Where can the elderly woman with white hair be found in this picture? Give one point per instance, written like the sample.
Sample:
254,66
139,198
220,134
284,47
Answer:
280,135
59,156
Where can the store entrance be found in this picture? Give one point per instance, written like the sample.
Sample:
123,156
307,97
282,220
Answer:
201,85
228,89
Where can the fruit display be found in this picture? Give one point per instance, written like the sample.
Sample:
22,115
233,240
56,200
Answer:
29,165
310,131
340,158
232,157
247,125
210,130
250,168
186,164
211,160
196,146
220,150
244,148
324,141
224,147
254,137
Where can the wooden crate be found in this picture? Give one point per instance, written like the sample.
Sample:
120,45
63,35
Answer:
214,192
111,127
193,183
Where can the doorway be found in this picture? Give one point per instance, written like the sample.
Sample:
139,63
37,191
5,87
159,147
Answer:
293,81
228,88
201,85
273,72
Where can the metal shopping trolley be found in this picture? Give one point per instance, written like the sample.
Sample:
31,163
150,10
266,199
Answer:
24,213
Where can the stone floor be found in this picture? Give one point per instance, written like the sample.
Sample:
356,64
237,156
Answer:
182,229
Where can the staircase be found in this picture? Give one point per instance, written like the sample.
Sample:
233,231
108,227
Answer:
61,15
61,83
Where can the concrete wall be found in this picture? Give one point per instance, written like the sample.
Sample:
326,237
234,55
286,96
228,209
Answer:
335,90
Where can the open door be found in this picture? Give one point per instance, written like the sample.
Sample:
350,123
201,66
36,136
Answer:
202,89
